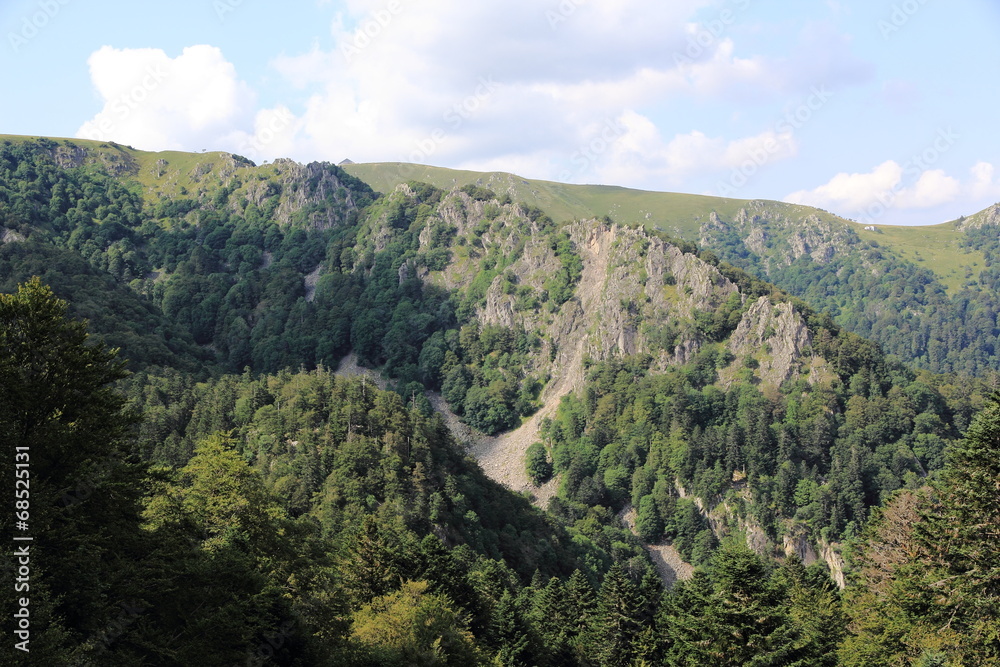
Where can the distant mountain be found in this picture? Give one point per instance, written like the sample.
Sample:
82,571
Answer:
926,294
663,402
518,320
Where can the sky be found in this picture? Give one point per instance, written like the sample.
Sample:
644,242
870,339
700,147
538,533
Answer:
881,111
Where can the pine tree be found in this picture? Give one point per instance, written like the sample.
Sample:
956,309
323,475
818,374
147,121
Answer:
66,430
963,536
617,621
733,615
815,613
510,632
928,589
554,620
370,570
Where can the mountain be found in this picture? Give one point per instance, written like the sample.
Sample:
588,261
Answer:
926,294
648,393
493,304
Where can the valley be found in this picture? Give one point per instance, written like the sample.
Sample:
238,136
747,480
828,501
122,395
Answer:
340,373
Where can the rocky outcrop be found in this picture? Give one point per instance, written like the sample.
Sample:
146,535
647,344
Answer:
629,278
110,156
988,217
298,187
776,336
778,234
10,236
798,545
828,551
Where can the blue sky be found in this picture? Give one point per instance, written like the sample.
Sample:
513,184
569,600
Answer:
880,111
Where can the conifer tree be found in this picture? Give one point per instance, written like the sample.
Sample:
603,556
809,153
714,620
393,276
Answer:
929,584
617,621
64,432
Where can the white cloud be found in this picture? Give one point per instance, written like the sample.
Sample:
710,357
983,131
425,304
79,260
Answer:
983,185
631,149
933,188
273,133
559,89
852,192
886,187
156,102
386,91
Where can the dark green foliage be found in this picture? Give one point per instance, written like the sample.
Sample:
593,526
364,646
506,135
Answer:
217,266
648,522
537,465
875,294
561,284
617,620
738,612
117,316
817,455
339,449
303,519
928,586
230,279
80,487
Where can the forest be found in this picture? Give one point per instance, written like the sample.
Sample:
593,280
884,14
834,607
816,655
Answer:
875,293
204,489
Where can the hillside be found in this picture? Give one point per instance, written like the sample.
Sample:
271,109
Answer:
652,394
502,310
920,292
683,215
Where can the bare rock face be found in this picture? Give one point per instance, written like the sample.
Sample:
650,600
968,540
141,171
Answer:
112,156
298,186
779,234
834,561
628,278
70,156
10,236
798,545
775,335
990,216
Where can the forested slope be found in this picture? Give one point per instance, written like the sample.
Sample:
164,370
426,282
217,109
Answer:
923,293
937,311
347,521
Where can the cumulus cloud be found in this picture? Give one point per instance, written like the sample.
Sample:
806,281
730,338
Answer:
891,185
156,102
489,88
983,185
933,188
389,87
631,149
852,191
